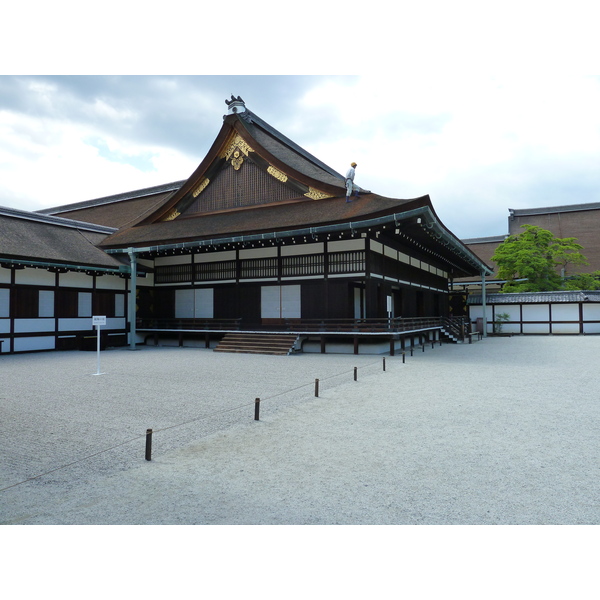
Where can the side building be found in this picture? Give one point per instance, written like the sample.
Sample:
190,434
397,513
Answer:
53,277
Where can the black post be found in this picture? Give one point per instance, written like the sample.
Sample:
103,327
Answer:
355,373
403,357
148,444
411,349
316,388
384,363
256,409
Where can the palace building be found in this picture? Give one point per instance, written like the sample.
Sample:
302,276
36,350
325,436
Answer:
258,239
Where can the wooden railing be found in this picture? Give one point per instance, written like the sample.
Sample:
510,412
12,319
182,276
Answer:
396,325
384,326
457,326
192,324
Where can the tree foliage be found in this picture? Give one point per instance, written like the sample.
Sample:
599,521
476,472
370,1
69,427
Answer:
535,255
583,281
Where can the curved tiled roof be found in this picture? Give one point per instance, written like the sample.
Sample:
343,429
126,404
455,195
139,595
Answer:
31,237
268,217
537,297
289,152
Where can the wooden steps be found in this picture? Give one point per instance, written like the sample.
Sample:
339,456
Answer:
257,343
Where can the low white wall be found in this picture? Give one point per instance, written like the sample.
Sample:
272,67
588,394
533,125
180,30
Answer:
547,316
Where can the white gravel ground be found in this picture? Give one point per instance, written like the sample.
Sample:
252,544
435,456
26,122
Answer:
502,431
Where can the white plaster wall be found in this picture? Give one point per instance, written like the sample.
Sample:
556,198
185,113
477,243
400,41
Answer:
345,245
565,312
4,275
111,282
536,312
184,259
75,324
476,312
536,328
115,323
511,328
119,305
33,325
4,325
258,253
304,249
34,343
73,279
35,277
390,252
214,256
4,302
510,309
565,328
591,312
514,315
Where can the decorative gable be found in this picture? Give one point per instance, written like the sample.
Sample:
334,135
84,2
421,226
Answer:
250,164
239,177
239,183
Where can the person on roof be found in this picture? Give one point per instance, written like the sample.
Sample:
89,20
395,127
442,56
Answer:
350,186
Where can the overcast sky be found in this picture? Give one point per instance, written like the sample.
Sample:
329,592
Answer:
483,106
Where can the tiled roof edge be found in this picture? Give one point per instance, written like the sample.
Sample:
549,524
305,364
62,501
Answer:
485,240
518,212
166,187
51,220
537,297
293,145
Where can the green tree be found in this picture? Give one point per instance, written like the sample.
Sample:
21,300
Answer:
583,281
535,255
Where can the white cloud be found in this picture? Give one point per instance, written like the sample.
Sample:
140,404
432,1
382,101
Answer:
59,165
476,140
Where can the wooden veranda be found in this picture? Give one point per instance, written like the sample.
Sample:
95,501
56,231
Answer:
394,330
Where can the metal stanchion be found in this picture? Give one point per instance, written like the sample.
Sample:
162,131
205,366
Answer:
256,409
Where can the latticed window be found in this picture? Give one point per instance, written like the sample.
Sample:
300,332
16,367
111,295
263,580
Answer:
258,267
173,274
297,266
215,271
347,262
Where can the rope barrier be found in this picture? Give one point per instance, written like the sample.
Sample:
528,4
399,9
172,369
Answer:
213,414
73,463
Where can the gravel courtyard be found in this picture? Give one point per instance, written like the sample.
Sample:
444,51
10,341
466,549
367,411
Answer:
502,431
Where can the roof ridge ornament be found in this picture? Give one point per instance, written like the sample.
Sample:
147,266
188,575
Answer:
235,105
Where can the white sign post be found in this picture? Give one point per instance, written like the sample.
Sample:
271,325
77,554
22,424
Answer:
98,321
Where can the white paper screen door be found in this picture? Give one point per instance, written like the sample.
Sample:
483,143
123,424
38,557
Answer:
280,302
